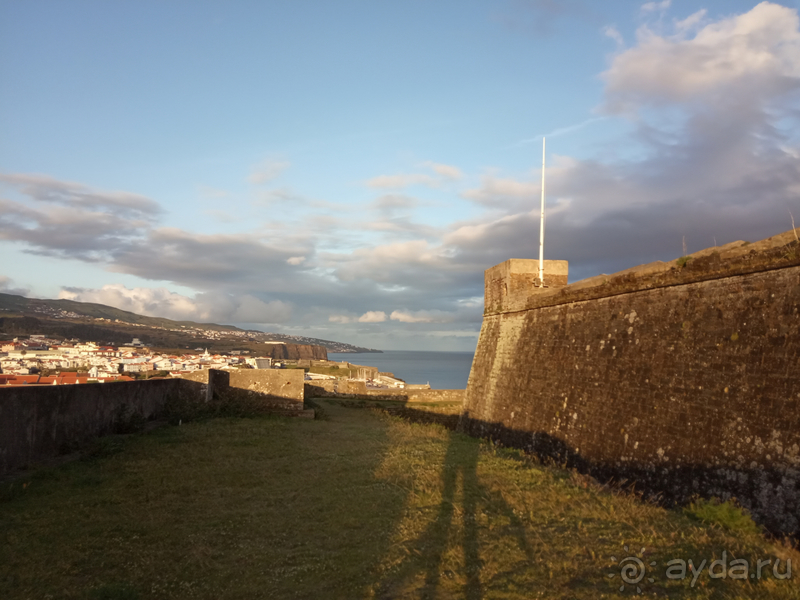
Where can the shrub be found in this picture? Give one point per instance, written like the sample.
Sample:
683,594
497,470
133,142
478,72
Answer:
727,514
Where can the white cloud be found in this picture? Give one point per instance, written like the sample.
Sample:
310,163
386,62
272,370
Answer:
389,202
210,261
656,6
404,180
341,319
204,307
691,21
88,234
447,171
267,171
77,196
7,287
372,316
421,316
145,301
386,263
613,33
401,181
249,309
296,260
753,55
509,194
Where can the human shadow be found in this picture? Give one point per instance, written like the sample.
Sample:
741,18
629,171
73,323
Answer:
464,502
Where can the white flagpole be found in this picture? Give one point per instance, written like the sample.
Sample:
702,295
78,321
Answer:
541,227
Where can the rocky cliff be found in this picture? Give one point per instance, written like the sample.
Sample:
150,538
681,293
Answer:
294,352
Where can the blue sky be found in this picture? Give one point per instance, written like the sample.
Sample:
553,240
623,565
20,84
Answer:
347,170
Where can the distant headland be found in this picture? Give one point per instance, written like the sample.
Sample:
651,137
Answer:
88,321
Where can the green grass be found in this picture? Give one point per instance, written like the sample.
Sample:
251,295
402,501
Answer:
725,514
358,505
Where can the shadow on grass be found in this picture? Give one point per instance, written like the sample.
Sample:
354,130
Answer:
462,503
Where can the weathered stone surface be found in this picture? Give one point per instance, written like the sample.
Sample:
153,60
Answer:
509,284
277,388
686,381
294,352
39,422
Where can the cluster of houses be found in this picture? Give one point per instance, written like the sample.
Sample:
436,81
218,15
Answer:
39,360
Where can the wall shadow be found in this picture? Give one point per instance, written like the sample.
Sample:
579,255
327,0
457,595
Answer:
665,484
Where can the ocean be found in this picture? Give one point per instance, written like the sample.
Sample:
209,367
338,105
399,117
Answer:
443,370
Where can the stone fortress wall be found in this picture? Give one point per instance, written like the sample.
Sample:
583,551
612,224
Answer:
682,377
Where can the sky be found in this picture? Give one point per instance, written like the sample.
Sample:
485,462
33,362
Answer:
347,169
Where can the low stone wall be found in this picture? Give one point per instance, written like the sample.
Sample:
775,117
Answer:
278,389
358,390
219,380
436,396
39,422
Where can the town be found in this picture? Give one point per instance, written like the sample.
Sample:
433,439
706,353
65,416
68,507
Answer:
40,360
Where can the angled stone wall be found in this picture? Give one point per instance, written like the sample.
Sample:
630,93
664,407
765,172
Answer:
685,380
279,389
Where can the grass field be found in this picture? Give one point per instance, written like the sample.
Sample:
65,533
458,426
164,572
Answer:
357,504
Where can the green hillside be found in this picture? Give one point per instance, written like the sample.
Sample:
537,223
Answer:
71,319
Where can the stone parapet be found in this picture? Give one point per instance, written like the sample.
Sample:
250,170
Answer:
736,258
509,284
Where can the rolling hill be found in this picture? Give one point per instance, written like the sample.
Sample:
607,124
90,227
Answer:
84,320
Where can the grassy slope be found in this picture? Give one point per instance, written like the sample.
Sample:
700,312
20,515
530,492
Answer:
359,505
91,309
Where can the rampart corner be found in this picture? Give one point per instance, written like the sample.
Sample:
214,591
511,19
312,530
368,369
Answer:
508,286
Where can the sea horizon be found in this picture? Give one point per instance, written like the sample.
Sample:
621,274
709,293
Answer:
442,370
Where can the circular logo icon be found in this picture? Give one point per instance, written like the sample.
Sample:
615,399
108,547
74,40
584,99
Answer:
632,570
